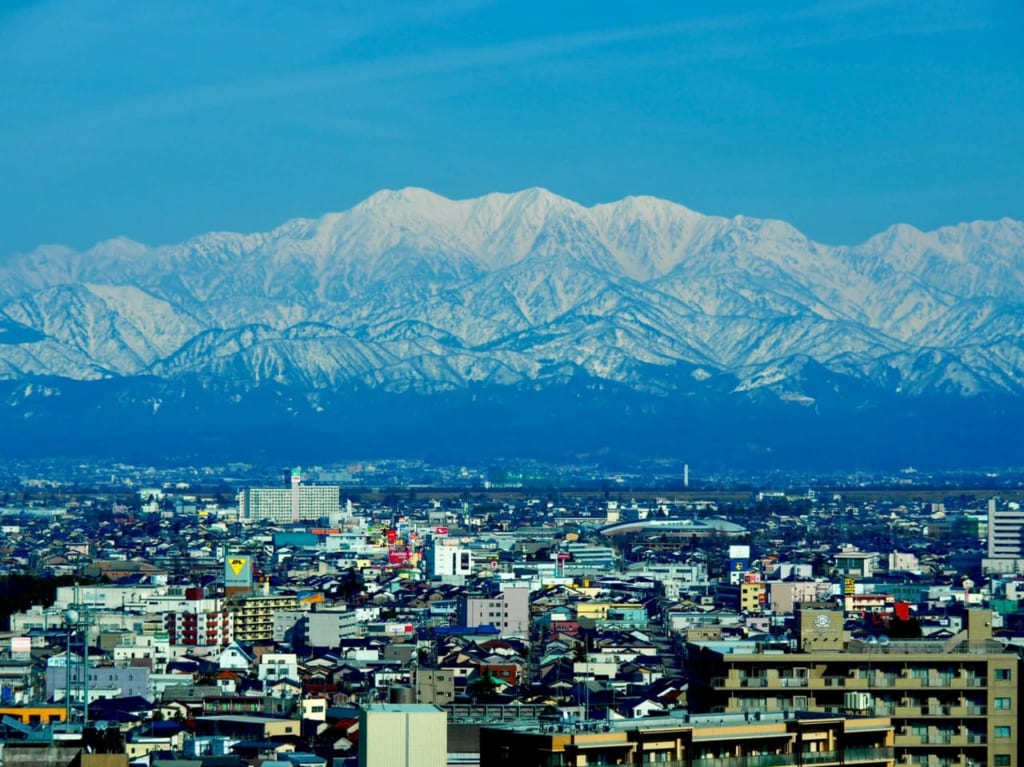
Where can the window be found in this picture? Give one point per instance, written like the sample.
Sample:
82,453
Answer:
1003,674
1002,731
1001,760
1003,703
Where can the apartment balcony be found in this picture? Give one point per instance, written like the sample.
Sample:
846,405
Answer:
867,755
959,760
820,757
761,760
910,682
930,739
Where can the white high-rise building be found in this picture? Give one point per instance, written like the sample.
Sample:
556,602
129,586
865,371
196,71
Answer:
1004,531
298,503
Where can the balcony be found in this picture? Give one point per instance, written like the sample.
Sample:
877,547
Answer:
796,681
761,760
857,755
819,757
929,739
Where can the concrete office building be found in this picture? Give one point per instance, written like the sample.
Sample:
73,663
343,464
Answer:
509,611
1005,528
436,686
448,561
107,680
1005,536
324,628
952,703
403,735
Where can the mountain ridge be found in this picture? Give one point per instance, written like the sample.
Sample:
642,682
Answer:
411,292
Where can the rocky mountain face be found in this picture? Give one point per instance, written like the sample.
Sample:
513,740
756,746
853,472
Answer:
422,299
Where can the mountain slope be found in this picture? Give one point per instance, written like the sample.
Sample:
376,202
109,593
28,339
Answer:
409,291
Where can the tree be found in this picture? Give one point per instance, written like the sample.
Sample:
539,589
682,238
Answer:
483,687
352,584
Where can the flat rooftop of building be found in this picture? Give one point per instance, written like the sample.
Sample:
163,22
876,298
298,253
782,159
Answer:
677,719
403,708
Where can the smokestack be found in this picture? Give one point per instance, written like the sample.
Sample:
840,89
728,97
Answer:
686,475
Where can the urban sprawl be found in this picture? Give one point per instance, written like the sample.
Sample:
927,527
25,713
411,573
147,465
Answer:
314,620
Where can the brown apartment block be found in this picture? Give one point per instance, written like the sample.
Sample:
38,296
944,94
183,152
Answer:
722,740
953,703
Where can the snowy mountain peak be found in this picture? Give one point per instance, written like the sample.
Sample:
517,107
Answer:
412,290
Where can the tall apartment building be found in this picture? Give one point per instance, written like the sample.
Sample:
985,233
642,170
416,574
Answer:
1005,527
254,615
298,503
201,628
768,740
952,703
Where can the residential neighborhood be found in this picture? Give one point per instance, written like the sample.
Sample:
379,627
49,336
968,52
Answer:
304,623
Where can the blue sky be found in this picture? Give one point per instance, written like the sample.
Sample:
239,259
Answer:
160,120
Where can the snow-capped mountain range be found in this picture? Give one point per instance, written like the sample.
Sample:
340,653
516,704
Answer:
520,325
410,291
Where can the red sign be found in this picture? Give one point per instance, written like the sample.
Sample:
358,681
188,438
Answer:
392,536
494,564
398,556
442,530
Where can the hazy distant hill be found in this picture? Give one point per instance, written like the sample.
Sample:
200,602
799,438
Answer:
516,319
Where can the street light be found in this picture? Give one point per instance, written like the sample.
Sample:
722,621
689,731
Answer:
72,620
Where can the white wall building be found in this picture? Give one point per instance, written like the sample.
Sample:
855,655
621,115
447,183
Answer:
411,735
276,666
449,561
509,611
283,504
1004,531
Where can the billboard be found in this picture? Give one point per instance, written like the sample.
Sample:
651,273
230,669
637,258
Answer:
399,556
237,571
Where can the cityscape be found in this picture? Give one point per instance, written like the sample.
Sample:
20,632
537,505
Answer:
479,383
500,616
